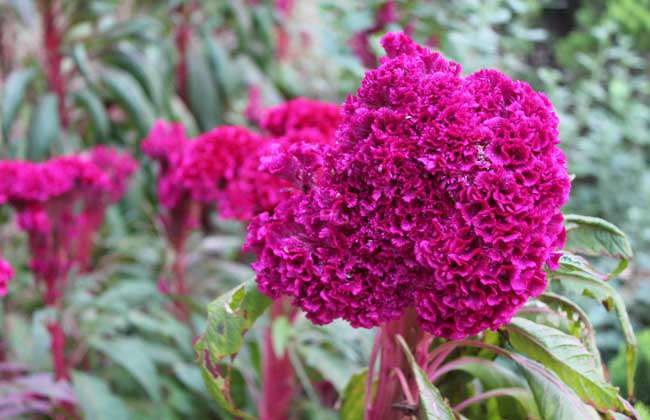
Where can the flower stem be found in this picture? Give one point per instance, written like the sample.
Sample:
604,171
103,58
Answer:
52,38
278,378
389,388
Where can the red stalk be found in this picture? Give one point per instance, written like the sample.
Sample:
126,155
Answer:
389,387
278,378
57,346
52,38
182,33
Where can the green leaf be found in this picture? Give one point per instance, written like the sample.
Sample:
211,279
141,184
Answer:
96,400
220,67
281,331
567,357
354,397
128,93
229,318
81,61
554,400
44,129
132,355
492,376
143,28
585,282
593,236
572,309
13,95
87,99
202,94
432,405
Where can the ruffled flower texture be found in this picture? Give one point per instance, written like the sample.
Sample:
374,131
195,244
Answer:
442,193
221,167
6,274
301,131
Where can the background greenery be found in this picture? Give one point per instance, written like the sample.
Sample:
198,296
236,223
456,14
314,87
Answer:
121,66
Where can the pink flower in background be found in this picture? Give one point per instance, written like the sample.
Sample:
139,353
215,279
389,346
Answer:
167,144
303,131
56,201
6,274
221,167
442,193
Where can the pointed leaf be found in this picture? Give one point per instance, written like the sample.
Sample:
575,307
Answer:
594,236
44,129
202,94
354,397
432,405
555,401
132,355
126,91
96,400
13,95
229,318
584,282
87,99
567,357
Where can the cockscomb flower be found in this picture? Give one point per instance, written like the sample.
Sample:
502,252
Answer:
6,274
301,114
302,131
221,167
117,167
166,143
47,197
442,193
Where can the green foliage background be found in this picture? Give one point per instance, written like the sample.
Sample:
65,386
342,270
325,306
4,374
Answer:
591,59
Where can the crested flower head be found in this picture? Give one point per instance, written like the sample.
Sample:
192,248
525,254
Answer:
118,168
303,131
6,274
442,193
167,143
221,166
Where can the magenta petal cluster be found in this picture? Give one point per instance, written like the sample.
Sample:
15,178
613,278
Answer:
442,193
60,204
221,167
6,274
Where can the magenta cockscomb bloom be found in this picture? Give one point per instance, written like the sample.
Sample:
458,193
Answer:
6,274
442,193
117,167
47,197
302,130
221,167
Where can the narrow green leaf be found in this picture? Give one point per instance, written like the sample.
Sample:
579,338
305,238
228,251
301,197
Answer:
87,99
567,357
584,282
432,405
203,95
126,90
81,61
96,400
281,331
132,355
354,397
593,236
225,80
44,128
13,95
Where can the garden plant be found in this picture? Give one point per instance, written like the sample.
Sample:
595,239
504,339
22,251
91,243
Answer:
283,210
